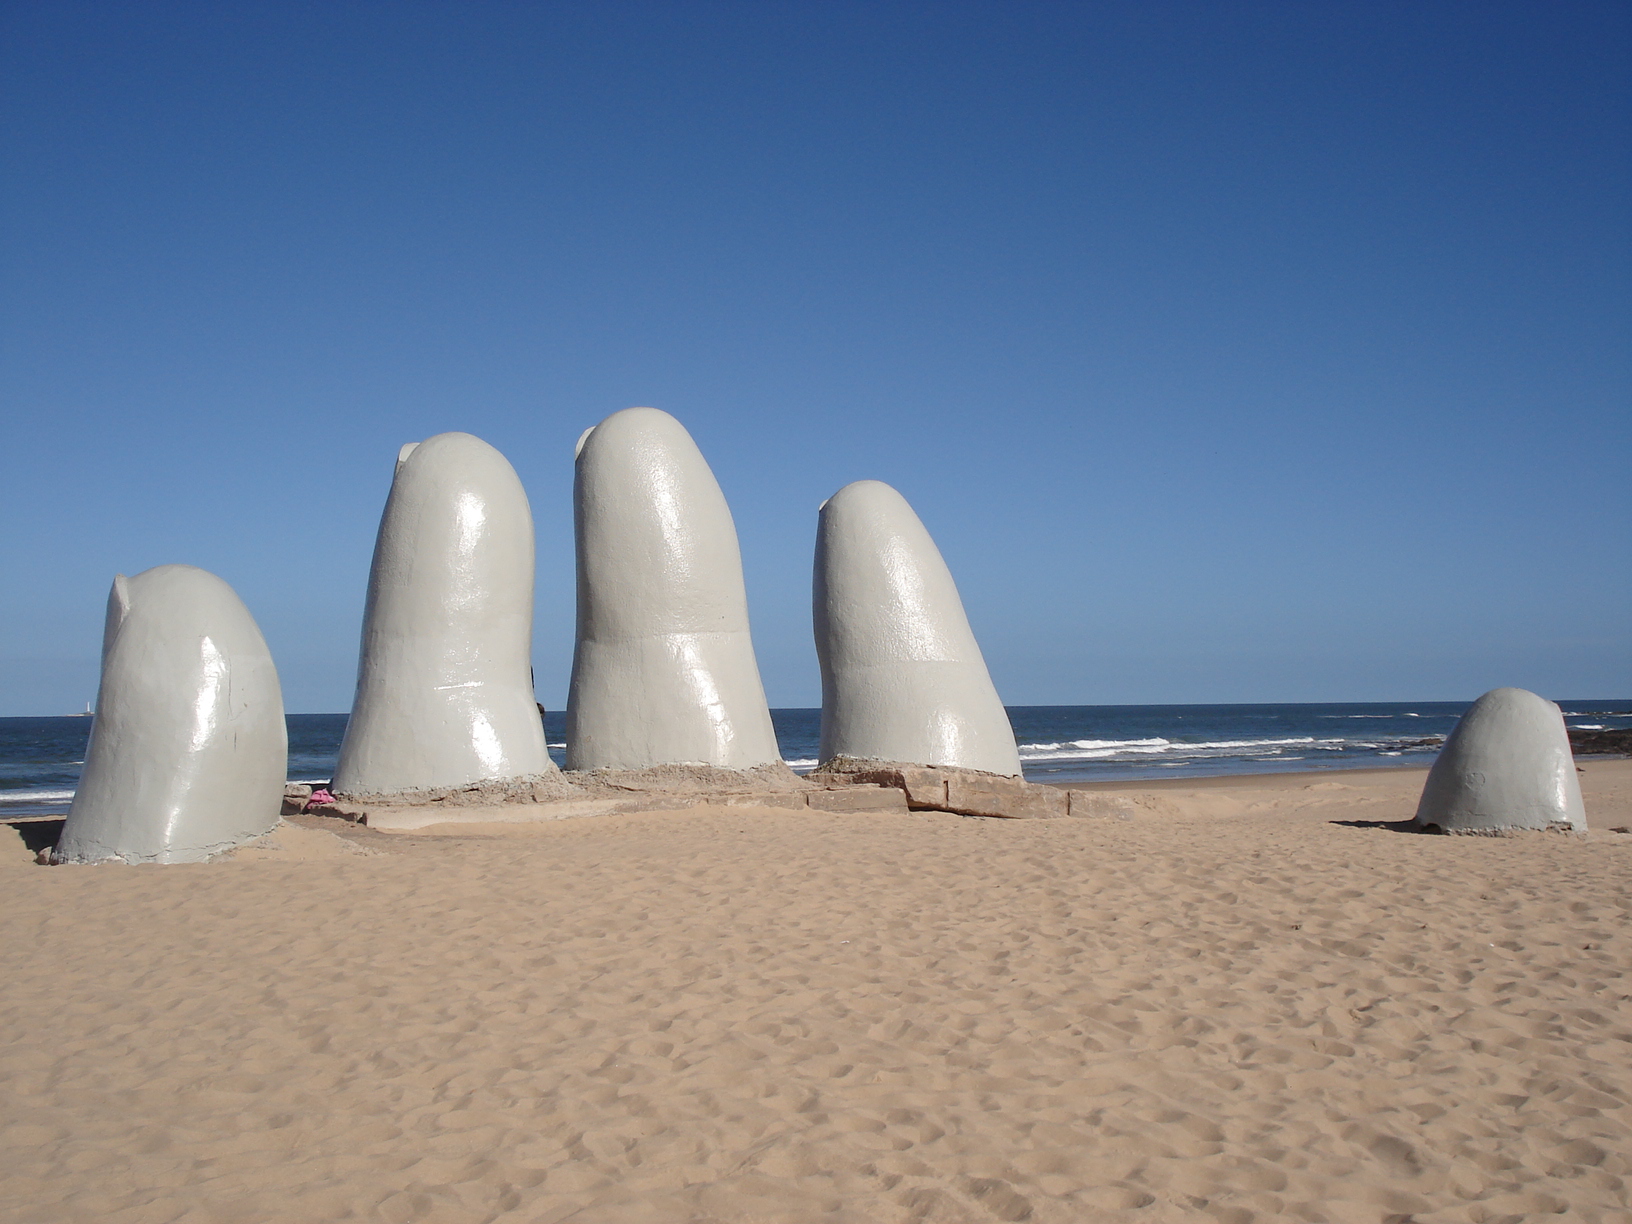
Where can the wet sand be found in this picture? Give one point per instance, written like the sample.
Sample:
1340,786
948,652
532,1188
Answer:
1228,1000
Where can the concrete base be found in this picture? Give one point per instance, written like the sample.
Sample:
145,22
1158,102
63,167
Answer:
843,787
538,788
409,819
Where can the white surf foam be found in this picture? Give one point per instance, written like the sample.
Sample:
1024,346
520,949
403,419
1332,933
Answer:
1137,743
1099,750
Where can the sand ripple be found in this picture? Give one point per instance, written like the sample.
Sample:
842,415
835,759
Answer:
741,1016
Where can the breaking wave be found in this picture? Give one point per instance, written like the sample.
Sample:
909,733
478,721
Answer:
1254,749
1137,745
35,796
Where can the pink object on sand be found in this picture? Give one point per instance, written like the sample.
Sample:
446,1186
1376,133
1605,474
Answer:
319,798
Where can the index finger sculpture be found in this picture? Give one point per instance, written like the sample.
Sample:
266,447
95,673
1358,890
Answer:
663,672
444,682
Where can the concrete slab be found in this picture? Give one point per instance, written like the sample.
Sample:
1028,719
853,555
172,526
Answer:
408,819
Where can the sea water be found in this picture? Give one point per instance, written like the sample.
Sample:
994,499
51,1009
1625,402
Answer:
40,758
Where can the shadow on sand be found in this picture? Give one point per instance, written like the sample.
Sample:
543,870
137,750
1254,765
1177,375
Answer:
1393,826
37,835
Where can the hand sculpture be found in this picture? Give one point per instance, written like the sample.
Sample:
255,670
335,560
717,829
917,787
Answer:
444,682
1506,765
188,748
664,671
902,676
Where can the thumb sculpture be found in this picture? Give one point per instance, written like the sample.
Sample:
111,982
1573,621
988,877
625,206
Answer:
188,748
444,682
902,675
663,672
1506,765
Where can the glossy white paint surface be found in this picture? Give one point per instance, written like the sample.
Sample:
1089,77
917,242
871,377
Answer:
444,683
664,670
188,748
902,675
1506,765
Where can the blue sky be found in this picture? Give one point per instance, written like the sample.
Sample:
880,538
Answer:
1231,352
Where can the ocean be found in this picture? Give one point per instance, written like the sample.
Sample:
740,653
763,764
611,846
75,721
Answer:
40,758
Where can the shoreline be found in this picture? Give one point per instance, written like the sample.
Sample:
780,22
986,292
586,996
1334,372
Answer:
1359,775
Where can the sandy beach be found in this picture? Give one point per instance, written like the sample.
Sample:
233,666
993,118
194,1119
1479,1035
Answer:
1228,1000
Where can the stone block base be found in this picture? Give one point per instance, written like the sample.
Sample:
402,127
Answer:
770,799
1012,799
860,798
841,786
967,792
